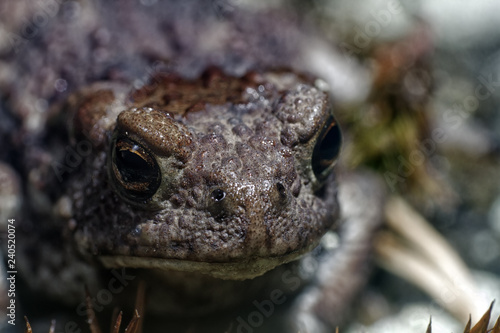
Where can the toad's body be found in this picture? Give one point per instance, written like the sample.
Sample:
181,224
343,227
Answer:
205,186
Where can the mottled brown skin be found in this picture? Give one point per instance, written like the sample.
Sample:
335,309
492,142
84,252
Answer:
252,142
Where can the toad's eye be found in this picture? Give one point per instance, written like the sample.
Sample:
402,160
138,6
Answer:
327,149
136,172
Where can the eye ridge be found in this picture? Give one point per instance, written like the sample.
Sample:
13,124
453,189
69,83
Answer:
327,149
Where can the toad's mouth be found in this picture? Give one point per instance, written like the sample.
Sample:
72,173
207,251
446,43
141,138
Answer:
235,270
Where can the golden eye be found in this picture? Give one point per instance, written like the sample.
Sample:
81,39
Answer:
135,170
327,149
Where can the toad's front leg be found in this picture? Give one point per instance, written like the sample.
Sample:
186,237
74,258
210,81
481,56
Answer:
343,268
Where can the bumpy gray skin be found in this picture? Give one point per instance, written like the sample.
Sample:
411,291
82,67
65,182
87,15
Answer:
252,135
256,154
251,140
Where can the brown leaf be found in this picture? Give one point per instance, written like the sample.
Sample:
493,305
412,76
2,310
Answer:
482,324
429,327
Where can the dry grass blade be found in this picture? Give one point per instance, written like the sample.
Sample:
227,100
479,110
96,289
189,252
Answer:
429,327
134,325
118,323
467,327
496,328
91,317
140,304
397,257
418,253
482,324
28,326
480,327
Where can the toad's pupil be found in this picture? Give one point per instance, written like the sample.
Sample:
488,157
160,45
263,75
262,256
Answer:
133,167
327,149
136,170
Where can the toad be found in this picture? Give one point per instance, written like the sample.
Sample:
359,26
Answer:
215,186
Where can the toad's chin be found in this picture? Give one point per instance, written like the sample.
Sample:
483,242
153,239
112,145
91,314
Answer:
235,270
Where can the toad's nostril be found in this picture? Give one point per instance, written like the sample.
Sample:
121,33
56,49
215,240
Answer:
218,204
218,195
